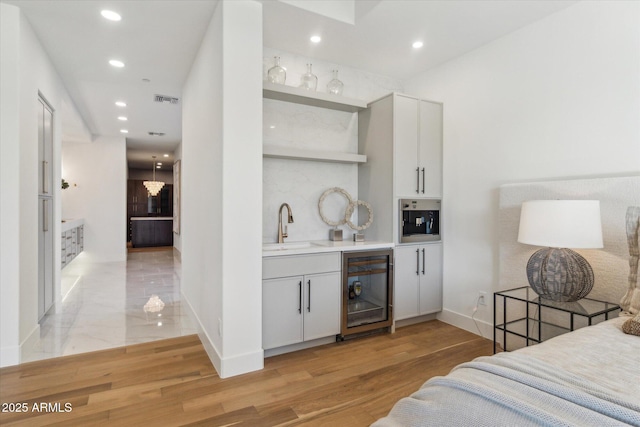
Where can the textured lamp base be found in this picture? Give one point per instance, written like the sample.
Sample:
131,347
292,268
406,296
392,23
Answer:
559,274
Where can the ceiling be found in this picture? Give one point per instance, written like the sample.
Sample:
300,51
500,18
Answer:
158,41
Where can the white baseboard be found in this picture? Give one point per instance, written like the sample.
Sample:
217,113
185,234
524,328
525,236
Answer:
229,366
299,346
465,322
9,356
30,341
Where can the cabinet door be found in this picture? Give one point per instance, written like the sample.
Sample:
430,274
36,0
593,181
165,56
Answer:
405,133
407,270
282,307
321,305
431,279
430,149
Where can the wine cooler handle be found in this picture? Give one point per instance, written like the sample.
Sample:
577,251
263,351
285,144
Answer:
417,262
300,294
418,180
309,306
423,261
423,181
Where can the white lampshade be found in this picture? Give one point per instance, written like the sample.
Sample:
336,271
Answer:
561,223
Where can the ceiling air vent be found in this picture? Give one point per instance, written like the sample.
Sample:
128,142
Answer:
165,98
156,133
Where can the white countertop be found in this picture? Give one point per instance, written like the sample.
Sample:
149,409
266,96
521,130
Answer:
321,246
70,223
152,218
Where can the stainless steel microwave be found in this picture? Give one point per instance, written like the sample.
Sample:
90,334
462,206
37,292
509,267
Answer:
419,220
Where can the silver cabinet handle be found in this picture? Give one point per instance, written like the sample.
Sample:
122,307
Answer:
417,262
423,261
300,294
45,179
309,306
423,181
418,180
45,215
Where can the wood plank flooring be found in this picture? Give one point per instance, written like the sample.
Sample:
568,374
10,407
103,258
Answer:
172,382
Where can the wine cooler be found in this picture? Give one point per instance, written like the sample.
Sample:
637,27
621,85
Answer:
367,286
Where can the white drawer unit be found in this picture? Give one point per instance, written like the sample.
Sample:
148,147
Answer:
72,243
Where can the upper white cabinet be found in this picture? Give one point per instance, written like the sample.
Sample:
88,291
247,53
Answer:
430,148
402,138
417,129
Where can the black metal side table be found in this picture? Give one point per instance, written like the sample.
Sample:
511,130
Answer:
533,319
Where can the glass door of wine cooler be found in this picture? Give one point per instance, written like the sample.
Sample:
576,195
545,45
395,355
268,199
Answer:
367,285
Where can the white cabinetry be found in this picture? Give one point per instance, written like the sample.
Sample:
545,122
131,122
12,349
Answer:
300,298
418,280
44,116
72,243
402,139
417,130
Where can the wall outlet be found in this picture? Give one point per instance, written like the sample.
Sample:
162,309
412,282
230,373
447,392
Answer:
482,295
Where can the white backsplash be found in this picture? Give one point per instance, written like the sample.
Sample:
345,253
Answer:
301,183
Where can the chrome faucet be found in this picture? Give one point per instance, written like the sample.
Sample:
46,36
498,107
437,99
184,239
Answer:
283,234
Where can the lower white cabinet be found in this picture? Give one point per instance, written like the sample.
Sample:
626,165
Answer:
418,280
300,307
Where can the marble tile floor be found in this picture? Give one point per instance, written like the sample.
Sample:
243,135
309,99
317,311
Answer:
113,304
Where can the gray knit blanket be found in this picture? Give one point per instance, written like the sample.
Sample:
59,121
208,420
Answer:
513,389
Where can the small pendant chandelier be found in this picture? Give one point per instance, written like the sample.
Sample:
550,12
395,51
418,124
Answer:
154,187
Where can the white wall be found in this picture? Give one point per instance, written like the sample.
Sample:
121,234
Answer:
26,73
301,183
97,176
9,177
558,98
222,144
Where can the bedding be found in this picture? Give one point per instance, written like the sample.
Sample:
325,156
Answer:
589,377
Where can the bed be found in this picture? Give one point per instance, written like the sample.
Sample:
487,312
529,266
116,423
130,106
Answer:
588,377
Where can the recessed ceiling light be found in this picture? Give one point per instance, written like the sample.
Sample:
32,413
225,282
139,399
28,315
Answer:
124,131
417,45
122,118
315,39
272,127
121,104
158,167
165,155
159,163
111,15
116,63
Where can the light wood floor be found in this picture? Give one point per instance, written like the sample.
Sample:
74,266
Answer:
172,382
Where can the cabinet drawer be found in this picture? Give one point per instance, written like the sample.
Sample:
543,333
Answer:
297,265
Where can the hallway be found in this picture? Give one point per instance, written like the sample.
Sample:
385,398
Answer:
107,305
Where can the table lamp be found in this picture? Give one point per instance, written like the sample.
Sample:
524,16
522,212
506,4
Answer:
556,272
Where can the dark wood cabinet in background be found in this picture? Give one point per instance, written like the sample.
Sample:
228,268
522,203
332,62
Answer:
141,204
151,232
